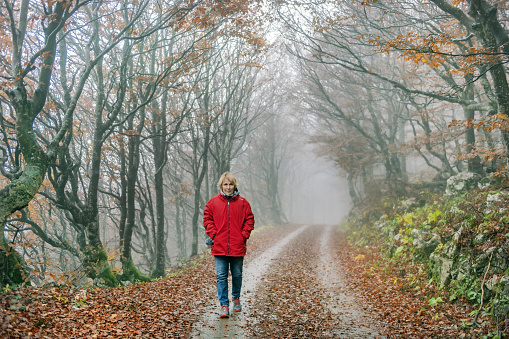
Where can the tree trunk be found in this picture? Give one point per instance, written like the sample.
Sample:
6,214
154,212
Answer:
159,144
12,265
474,164
198,184
197,193
178,227
351,188
160,245
123,193
130,272
96,260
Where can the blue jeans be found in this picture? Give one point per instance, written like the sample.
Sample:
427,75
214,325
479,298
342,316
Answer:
234,264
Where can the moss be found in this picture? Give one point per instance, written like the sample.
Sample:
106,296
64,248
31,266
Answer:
12,265
109,278
96,263
13,269
132,274
438,249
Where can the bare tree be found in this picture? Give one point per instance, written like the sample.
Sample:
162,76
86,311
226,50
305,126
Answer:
27,98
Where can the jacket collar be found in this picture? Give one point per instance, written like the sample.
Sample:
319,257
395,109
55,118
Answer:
234,196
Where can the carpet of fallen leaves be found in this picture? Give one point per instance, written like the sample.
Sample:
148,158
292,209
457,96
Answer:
402,310
289,302
161,309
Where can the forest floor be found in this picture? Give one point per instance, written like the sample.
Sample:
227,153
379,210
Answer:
299,282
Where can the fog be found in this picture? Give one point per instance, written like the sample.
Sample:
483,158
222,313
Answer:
316,193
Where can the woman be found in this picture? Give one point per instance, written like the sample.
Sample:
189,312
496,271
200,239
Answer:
228,221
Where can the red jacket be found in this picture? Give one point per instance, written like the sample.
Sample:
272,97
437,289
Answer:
229,223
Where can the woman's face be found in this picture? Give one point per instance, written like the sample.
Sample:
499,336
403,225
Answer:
227,187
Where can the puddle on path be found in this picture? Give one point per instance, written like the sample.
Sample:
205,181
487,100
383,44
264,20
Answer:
340,302
211,326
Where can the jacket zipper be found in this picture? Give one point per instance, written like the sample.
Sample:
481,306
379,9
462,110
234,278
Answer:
228,227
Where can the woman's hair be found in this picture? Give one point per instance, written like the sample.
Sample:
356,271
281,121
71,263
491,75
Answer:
228,176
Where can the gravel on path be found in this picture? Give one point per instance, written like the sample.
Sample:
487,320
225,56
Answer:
300,297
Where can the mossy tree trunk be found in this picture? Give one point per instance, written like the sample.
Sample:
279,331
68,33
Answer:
24,185
129,270
12,265
95,257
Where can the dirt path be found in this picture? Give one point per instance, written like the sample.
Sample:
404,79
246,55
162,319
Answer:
293,289
353,321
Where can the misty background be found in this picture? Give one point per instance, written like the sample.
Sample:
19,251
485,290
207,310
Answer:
318,194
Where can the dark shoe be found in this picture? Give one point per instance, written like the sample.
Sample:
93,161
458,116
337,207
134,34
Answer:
225,313
236,305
